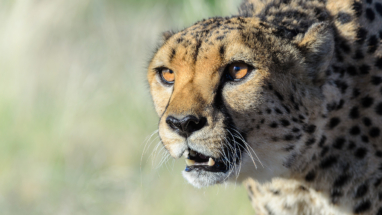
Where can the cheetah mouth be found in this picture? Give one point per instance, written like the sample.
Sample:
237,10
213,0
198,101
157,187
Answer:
196,161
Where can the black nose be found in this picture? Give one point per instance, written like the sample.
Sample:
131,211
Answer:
187,125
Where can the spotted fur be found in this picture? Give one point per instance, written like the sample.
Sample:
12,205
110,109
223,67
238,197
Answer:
311,109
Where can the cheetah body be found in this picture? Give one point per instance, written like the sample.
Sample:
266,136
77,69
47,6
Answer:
311,111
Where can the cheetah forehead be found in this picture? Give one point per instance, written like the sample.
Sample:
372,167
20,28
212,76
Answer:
220,40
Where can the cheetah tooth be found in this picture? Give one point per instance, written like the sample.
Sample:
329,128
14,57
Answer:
186,153
211,162
190,162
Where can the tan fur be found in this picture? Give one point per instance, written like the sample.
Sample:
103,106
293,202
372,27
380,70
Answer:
311,108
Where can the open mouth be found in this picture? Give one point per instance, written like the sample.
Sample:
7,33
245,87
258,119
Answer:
198,161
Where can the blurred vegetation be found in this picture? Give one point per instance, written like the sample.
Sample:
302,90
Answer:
75,110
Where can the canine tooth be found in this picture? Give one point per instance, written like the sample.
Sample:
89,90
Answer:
186,153
211,162
192,153
190,162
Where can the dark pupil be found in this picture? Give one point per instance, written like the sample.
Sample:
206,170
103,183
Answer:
236,68
170,71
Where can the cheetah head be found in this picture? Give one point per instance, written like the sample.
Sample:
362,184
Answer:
236,95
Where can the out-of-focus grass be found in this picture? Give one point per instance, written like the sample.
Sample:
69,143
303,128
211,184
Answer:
75,110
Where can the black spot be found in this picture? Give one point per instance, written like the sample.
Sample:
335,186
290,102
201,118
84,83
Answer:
324,151
378,63
379,212
351,145
285,122
335,194
378,153
367,101
360,153
322,141
288,137
341,85
369,1
362,207
294,119
273,125
222,51
344,18
354,113
370,14
341,180
334,122
310,141
309,128
173,52
179,40
341,104
378,109
351,70
356,92
361,35
374,132
355,130
364,69
220,37
310,176
278,111
372,44
376,80
361,191
358,54
279,96
295,130
286,109
289,148
339,142
378,8
196,52
357,7
270,87
268,111
262,121
377,182
328,162
364,139
367,121
275,192
301,117
345,47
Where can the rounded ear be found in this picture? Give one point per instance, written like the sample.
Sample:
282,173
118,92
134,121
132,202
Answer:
166,35
317,46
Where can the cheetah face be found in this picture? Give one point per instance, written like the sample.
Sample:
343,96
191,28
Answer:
223,89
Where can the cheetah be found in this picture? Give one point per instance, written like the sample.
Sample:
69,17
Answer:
285,97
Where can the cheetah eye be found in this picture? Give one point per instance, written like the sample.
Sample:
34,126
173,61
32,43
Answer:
237,71
167,75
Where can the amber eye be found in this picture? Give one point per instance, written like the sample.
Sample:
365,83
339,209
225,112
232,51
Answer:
237,71
168,75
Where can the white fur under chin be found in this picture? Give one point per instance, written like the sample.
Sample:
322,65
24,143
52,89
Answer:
201,178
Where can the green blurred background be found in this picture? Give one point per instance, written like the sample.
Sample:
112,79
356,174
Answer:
75,110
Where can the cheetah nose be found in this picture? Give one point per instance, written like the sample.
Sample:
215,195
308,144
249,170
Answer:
186,125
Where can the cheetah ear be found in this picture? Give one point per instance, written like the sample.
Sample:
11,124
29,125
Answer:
166,35
317,46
